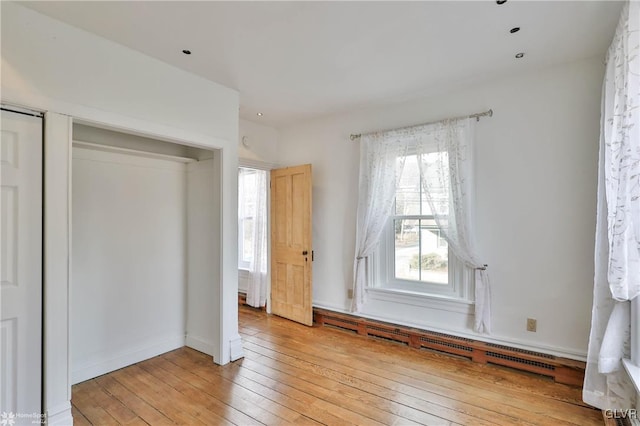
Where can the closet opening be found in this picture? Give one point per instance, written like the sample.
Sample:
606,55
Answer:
145,249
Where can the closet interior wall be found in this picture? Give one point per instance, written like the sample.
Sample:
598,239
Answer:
145,245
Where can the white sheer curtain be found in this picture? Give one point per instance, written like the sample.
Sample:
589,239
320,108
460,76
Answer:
446,162
445,152
379,173
257,282
617,252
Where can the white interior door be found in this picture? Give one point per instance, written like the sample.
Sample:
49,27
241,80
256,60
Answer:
21,265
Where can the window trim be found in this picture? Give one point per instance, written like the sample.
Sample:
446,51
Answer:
381,272
632,365
425,300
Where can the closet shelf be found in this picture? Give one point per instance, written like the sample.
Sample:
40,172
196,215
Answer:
129,151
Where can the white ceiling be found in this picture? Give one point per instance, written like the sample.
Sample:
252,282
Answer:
296,60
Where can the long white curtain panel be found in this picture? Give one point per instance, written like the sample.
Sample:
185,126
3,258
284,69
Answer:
445,157
617,251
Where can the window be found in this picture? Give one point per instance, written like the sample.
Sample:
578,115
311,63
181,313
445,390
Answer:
246,215
413,255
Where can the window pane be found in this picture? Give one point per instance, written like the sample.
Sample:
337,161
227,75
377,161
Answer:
408,191
433,163
435,253
407,249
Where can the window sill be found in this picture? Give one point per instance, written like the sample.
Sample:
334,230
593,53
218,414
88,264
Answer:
431,301
634,373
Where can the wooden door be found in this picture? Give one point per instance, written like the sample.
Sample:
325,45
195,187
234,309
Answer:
21,264
291,248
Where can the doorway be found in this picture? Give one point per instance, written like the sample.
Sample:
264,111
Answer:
275,241
253,236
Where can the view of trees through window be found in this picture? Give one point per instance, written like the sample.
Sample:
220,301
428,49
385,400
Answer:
421,254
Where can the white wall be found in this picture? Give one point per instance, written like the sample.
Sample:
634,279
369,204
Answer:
203,263
262,142
44,60
50,66
536,187
127,293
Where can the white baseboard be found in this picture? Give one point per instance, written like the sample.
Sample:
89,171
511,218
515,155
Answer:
60,415
199,344
111,362
236,349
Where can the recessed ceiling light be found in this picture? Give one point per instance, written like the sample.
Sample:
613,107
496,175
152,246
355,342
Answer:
514,30
520,55
186,52
501,1
259,114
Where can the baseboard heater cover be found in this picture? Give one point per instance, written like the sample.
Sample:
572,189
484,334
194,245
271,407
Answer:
562,370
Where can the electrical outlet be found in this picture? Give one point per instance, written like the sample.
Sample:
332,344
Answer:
350,294
532,324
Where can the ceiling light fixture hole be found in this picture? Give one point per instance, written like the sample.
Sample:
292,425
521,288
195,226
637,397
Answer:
501,1
514,30
519,55
186,52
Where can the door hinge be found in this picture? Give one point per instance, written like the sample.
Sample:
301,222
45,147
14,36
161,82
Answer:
312,254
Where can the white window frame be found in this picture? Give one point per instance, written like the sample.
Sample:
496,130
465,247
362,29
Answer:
460,280
632,365
381,270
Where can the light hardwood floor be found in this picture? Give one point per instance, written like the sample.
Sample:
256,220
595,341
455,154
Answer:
296,374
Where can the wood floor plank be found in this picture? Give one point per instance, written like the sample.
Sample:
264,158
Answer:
143,409
322,398
344,414
478,394
364,393
292,374
78,418
444,407
164,398
92,411
282,393
368,405
269,396
375,355
120,412
327,337
236,404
